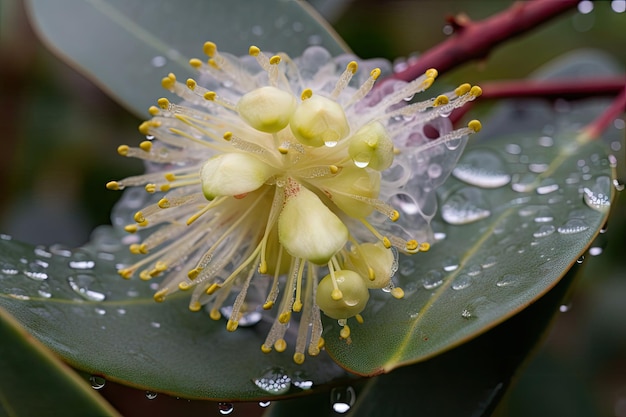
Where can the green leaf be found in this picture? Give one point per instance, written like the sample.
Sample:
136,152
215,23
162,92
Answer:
75,303
33,382
127,46
515,219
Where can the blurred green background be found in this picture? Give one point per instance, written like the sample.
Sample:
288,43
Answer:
60,133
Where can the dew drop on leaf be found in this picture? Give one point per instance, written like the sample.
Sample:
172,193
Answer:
483,168
274,381
97,382
225,408
342,399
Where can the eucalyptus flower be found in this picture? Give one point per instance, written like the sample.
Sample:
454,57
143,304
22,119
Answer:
294,176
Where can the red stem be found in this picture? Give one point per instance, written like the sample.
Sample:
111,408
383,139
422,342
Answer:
474,40
594,129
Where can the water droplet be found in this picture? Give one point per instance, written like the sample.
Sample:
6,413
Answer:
513,149
361,160
4,236
155,325
60,250
432,280
461,282
546,141
8,269
132,293
573,226
121,311
547,186
450,264
407,267
483,168
274,381
225,408
151,395
467,205
564,308
18,294
489,262
434,170
44,290
246,318
97,382
595,251
40,251
598,197
264,404
544,230
580,260
538,167
342,399
82,264
83,285
37,270
100,311
301,380
466,314
474,270
523,183
158,61
508,280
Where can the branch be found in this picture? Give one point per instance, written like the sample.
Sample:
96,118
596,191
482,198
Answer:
474,40
594,129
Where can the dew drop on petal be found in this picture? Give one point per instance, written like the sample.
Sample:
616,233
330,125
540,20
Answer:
342,399
274,381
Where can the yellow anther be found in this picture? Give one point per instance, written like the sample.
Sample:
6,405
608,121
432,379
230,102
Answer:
163,203
214,287
144,128
275,60
193,273
210,95
195,306
213,63
476,91
183,286
280,345
441,100
134,249
131,228
321,343
359,318
283,150
159,296
284,317
265,349
153,110
395,215
375,73
139,218
169,81
475,125
268,305
231,326
371,274
145,275
195,63
298,358
209,48
345,332
165,187
297,306
386,242
215,314
151,188
254,51
397,292
431,73
123,150
228,136
146,145
306,94
113,185
160,266
191,83
412,245
427,82
125,273
333,169
263,267
424,247
462,89
170,176
163,103
143,223
336,294
352,66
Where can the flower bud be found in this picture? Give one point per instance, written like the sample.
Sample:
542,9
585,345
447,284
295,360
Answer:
307,228
371,147
375,262
267,109
233,174
354,295
345,188
319,121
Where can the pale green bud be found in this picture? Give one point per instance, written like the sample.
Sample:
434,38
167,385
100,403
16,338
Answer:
371,147
375,262
345,188
319,121
267,109
307,228
354,295
232,174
